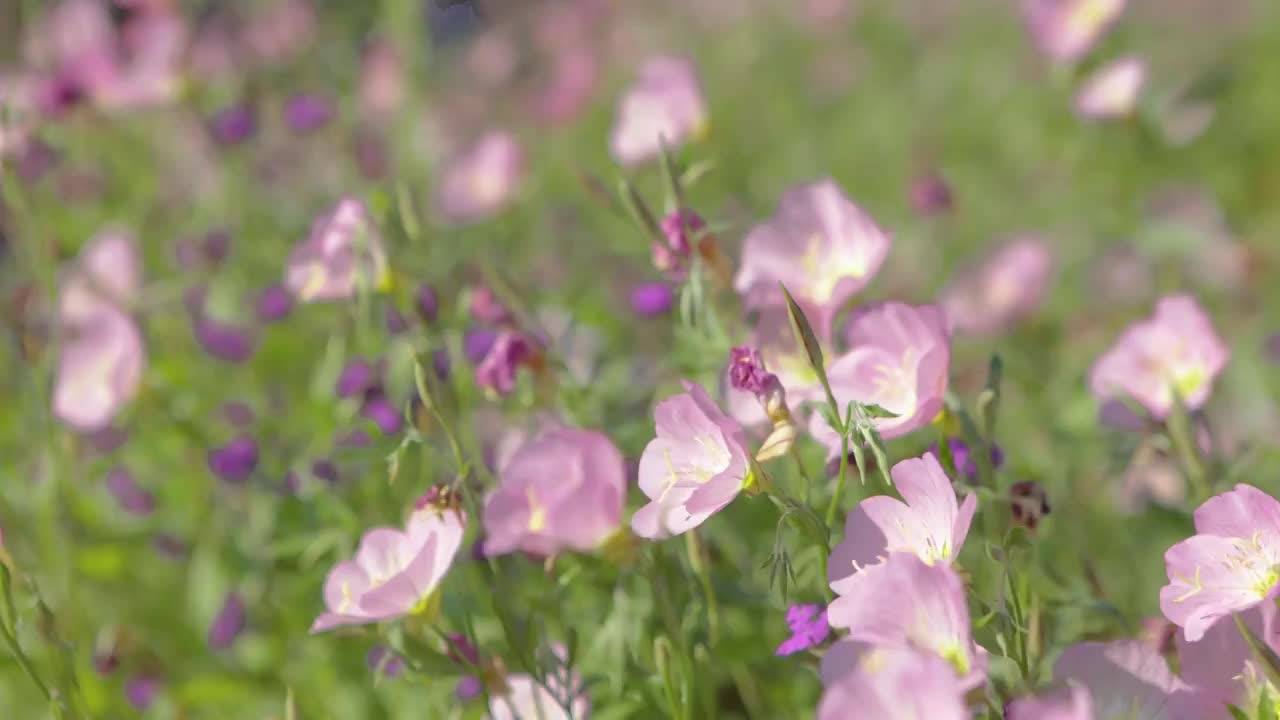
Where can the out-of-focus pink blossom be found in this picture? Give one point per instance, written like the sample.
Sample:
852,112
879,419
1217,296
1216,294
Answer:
905,602
899,359
1221,662
99,371
664,105
279,29
695,466
525,698
1112,91
482,180
562,491
107,275
819,244
894,683
342,253
395,572
1068,703
382,80
1176,352
1065,30
1127,678
1007,287
930,524
569,86
1230,565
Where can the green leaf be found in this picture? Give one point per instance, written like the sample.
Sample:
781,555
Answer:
675,192
637,209
1237,713
873,411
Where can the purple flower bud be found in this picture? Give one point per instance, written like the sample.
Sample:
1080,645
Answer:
468,688
383,659
930,195
651,299
440,362
216,246
228,623
326,471
427,303
236,460
355,440
963,460
108,439
106,662
747,371
233,125
305,113
224,341
384,414
677,228
395,320
460,650
237,413
131,498
356,379
169,545
477,343
274,304
809,628
141,691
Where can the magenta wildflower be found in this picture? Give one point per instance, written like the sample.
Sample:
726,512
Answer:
964,462
747,371
680,228
305,113
383,413
357,378
485,307
233,125
476,344
228,623
274,304
141,691
809,629
235,461
664,105
222,340
651,299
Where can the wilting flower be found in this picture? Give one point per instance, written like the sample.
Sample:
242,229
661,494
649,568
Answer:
785,357
563,490
99,371
1128,679
1112,91
1028,504
664,105
930,524
524,698
1064,30
1176,352
482,179
235,461
899,358
1231,564
905,601
894,683
228,623
343,252
651,299
395,572
695,466
1007,287
510,350
1069,703
819,244
809,629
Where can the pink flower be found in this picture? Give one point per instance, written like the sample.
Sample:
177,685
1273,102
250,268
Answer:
482,180
527,699
562,491
394,573
899,359
819,244
1112,90
342,254
99,371
1006,288
695,466
1174,351
905,602
1127,678
664,103
1069,703
1221,662
497,372
107,275
1065,30
894,683
930,524
1231,564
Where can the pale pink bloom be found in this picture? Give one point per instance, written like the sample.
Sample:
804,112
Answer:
394,572
280,29
562,491
695,466
1129,679
573,77
1231,564
1151,477
899,358
930,524
1176,351
1221,662
785,358
481,180
382,80
526,699
664,105
1007,287
342,254
1068,703
99,370
1065,30
818,243
1112,90
904,601
894,683
107,274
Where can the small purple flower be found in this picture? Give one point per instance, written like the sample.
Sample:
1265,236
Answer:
325,470
356,379
441,363
930,195
236,460
223,341
746,370
382,659
141,691
233,125
468,688
809,629
228,623
964,462
395,321
131,498
384,414
477,343
678,226
427,303
274,304
498,370
305,113
651,299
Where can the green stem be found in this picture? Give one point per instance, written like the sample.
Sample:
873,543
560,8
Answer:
23,661
699,564
1179,428
834,505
